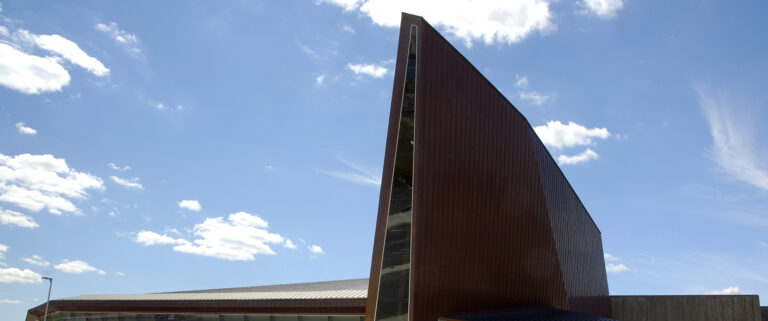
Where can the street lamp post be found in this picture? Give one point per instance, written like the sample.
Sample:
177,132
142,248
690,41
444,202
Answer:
50,285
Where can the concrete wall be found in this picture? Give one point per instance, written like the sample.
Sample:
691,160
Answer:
686,307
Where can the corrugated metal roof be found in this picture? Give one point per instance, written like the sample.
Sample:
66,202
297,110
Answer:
291,295
353,284
344,289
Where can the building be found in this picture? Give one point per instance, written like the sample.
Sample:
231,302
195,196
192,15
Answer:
475,222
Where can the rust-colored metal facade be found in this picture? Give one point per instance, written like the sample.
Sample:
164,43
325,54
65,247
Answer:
495,224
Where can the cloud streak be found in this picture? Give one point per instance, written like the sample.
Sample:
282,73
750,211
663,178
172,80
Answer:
359,174
132,182
733,149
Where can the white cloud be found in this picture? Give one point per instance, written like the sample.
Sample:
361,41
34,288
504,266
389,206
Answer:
36,182
238,238
3,249
120,273
609,257
360,174
289,244
14,275
616,268
534,97
127,182
71,51
24,130
118,168
77,267
30,74
488,21
602,8
192,205
36,260
558,135
123,38
8,217
319,80
521,81
728,290
148,238
6,301
316,249
733,148
348,5
368,69
584,156
4,31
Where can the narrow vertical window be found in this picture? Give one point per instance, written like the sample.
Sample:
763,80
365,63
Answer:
392,300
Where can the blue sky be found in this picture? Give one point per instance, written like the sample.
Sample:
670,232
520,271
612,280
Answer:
158,146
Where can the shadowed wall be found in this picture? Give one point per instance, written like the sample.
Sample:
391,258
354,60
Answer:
495,224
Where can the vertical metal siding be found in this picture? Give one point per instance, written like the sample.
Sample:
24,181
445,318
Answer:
578,241
686,308
482,228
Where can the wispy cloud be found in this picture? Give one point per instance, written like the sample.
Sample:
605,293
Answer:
733,148
123,38
310,52
371,70
358,174
319,80
521,81
609,257
289,244
24,130
348,28
535,97
728,290
131,182
119,168
36,260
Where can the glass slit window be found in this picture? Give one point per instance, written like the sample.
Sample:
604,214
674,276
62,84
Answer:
394,287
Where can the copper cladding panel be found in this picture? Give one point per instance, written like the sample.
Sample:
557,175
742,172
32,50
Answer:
482,232
577,239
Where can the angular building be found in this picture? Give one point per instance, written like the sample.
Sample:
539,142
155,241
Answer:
474,214
475,222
